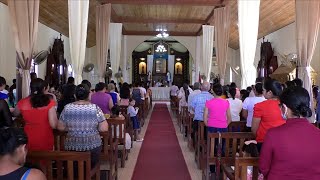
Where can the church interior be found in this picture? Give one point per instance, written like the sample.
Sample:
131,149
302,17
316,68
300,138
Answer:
158,89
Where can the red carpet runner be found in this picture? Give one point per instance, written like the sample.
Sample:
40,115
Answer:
160,157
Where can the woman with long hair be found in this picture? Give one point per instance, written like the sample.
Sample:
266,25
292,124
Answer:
291,151
39,114
235,105
183,95
267,114
83,121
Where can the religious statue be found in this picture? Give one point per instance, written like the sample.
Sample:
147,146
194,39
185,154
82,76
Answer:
149,78
168,77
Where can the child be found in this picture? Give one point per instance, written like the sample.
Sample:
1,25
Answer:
115,114
250,149
133,112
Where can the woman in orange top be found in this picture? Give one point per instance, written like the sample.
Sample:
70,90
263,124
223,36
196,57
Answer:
267,114
40,117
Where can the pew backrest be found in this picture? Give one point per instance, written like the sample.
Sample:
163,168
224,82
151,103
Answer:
237,126
61,164
241,166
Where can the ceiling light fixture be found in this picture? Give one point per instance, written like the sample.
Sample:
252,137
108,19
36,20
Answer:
162,35
161,48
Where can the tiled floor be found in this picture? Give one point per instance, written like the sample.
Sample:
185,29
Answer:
126,173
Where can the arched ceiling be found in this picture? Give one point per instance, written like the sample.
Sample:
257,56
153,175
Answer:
173,44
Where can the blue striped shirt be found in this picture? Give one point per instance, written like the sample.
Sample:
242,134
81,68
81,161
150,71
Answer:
198,103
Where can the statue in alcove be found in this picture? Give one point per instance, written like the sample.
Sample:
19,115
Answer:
168,77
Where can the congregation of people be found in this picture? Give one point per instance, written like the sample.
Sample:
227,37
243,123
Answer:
277,115
79,110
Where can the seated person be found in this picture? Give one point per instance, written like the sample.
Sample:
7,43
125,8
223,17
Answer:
115,110
83,121
13,152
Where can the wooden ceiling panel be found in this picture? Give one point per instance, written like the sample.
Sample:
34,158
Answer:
169,26
163,11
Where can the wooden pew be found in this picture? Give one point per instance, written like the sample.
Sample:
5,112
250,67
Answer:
118,132
109,152
190,131
60,164
201,145
233,142
237,126
184,115
240,168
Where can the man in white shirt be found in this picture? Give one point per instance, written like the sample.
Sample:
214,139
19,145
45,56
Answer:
143,90
173,90
196,90
249,102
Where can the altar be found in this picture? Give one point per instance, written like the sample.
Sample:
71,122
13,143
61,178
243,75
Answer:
160,93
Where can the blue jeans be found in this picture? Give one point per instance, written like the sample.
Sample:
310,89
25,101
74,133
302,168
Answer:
215,130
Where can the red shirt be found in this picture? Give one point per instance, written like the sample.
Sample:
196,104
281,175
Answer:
270,114
291,151
37,128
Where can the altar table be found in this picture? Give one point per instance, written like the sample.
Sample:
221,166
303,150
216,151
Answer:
160,93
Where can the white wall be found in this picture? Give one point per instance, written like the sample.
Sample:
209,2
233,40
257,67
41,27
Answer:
283,42
45,40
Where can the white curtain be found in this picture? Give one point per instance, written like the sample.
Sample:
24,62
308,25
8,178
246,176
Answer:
248,20
222,25
150,63
207,48
115,36
197,59
125,67
78,23
308,24
171,66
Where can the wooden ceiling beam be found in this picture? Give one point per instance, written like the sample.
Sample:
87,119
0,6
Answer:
153,20
166,2
154,33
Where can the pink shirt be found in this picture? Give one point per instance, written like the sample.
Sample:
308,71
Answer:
217,112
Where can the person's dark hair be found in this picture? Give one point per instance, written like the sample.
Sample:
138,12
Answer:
233,85
33,76
115,110
100,86
37,97
290,84
259,88
70,80
86,82
217,89
226,90
131,99
186,91
14,81
298,82
251,149
125,91
244,94
259,80
82,92
233,92
273,86
2,81
315,91
11,139
298,100
249,89
196,86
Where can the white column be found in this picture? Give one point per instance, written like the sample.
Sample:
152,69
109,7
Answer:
115,36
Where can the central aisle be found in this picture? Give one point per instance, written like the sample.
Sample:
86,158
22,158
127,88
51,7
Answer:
160,156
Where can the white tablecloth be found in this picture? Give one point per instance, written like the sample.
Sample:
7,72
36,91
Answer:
160,93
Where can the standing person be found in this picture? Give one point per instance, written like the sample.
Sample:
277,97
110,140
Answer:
235,105
267,114
40,117
183,95
133,113
282,156
102,99
69,85
250,102
234,85
174,90
33,76
84,121
143,90
196,90
217,114
137,94
13,153
198,105
5,115
86,82
68,96
124,94
115,96
2,87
